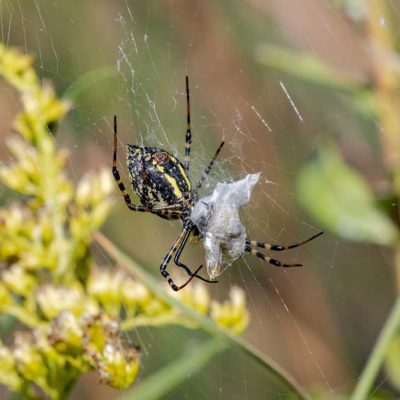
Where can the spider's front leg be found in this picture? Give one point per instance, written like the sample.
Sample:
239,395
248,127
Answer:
188,136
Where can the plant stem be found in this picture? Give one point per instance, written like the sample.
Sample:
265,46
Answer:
377,356
172,319
203,322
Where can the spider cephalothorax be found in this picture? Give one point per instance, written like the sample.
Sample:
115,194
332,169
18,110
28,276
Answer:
163,186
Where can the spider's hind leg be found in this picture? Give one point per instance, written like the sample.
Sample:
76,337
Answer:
272,261
178,247
185,267
279,247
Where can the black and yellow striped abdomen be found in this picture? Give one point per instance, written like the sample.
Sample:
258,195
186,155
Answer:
157,176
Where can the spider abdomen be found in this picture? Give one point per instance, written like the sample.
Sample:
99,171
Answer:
157,176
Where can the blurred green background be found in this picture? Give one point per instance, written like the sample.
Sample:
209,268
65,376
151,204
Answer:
295,89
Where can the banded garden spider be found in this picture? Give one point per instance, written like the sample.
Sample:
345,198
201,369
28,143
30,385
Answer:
163,186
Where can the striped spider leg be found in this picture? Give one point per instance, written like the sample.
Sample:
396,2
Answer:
252,244
176,250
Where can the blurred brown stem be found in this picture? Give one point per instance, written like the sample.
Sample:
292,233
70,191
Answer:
386,84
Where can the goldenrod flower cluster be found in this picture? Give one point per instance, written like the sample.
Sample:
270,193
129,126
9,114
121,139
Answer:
48,281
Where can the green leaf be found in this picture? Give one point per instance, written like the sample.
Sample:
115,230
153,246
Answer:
380,350
392,363
163,381
85,81
306,67
340,199
202,322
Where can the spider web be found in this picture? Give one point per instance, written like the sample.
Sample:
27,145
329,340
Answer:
319,321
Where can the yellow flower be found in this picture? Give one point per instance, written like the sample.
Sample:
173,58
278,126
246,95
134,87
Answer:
18,280
104,349
233,314
5,298
195,296
8,373
105,285
55,299
118,367
65,333
28,360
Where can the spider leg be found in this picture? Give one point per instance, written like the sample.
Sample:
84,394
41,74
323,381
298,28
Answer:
194,276
272,261
279,247
171,207
167,213
117,176
185,267
167,259
208,169
188,137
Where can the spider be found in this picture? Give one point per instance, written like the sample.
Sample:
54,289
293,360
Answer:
164,188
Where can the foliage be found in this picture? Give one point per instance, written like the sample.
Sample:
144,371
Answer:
337,195
340,198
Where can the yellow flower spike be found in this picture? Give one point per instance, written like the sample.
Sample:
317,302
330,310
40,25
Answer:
93,204
8,371
44,232
201,298
105,285
238,299
16,67
93,188
28,359
195,296
232,314
51,230
83,191
137,298
15,221
148,304
53,300
22,125
5,298
31,365
14,60
106,183
47,349
105,351
18,280
52,108
131,293
94,334
118,367
65,333
23,174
